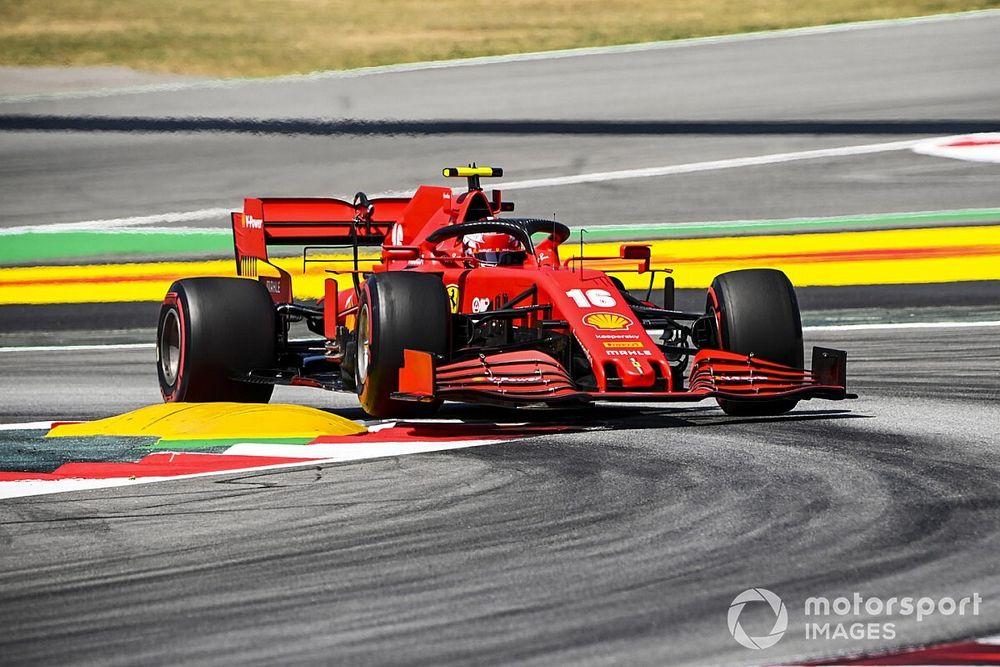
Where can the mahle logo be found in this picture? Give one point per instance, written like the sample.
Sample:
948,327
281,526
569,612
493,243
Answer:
780,618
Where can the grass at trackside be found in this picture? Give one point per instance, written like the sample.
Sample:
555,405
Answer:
267,37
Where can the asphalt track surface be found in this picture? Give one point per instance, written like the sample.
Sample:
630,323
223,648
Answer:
622,544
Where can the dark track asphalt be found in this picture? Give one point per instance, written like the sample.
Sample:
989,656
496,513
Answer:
128,322
625,545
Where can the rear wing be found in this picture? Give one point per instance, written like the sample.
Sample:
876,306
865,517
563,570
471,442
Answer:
324,222
331,223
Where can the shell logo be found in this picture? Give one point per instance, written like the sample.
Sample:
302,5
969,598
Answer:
607,321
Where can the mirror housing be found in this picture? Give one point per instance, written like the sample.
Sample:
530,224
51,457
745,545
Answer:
642,253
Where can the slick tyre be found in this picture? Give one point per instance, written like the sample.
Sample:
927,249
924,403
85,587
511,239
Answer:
209,330
399,310
756,312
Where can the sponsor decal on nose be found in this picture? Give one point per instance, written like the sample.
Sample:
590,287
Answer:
608,321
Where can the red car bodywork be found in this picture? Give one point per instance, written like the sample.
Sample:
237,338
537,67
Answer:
552,290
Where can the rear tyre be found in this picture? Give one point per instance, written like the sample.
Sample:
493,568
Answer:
756,312
399,310
209,330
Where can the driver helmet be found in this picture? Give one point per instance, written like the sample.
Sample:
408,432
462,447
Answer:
494,249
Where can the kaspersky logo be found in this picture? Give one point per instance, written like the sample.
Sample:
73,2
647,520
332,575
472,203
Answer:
608,321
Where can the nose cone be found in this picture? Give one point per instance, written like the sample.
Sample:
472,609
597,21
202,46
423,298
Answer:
635,372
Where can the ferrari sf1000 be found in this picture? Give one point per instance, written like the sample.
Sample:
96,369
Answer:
466,303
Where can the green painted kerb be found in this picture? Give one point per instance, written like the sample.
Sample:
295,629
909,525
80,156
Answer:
116,245
32,247
224,443
847,223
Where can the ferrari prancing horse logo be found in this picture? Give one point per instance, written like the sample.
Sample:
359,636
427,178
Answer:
454,300
608,321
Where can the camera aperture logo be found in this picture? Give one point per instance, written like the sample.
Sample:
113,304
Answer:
855,617
780,618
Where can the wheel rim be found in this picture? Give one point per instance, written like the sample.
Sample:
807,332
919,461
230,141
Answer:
170,347
364,345
712,309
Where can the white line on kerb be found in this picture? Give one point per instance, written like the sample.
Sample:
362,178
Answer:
888,326
27,426
552,181
20,489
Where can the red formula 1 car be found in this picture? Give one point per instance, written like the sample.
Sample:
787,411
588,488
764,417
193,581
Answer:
467,305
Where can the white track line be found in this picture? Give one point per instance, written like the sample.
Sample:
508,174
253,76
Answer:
886,326
29,487
510,58
140,231
27,426
80,348
552,181
113,223
343,453
712,165
354,451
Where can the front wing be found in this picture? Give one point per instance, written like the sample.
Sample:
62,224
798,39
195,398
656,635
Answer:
530,376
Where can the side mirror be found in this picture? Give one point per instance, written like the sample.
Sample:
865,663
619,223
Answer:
400,252
642,253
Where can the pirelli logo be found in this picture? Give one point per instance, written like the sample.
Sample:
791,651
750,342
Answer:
623,345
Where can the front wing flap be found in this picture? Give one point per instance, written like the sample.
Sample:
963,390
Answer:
531,376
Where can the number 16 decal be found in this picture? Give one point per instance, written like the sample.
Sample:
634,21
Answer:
600,298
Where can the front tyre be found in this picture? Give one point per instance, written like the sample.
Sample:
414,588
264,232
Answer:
756,312
211,329
399,310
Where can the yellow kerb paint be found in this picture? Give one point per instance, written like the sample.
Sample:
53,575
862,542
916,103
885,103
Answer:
189,421
904,256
